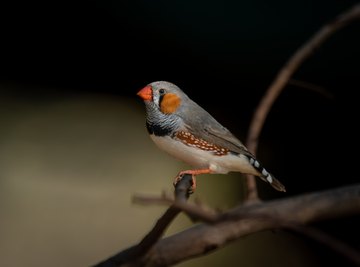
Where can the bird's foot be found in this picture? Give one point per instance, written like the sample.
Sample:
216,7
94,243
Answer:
193,181
193,174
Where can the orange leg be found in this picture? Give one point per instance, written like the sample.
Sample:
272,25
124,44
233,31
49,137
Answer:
193,175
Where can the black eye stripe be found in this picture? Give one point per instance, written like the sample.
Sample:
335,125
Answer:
160,99
162,93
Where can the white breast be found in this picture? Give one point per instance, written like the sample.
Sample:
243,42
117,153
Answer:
201,159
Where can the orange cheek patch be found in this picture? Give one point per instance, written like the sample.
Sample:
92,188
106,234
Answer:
169,103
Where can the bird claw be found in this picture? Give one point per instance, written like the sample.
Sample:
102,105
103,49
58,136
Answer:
193,181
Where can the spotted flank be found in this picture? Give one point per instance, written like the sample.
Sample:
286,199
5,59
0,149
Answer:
266,176
190,140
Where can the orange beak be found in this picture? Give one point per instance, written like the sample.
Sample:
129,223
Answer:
146,93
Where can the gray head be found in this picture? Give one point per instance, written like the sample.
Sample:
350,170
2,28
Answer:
163,95
164,103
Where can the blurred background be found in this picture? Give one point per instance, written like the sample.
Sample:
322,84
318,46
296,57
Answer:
73,145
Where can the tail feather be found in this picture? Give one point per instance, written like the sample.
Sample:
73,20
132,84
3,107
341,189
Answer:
275,183
266,176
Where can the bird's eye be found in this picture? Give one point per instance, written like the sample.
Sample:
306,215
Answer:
162,91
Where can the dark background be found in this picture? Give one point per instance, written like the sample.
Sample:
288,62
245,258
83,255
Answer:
224,55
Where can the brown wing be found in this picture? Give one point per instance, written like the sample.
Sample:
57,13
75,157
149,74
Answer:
202,125
222,137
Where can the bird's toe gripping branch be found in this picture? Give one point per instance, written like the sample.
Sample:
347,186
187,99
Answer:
193,174
193,181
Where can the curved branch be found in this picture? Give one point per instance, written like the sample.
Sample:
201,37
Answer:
285,213
294,213
282,79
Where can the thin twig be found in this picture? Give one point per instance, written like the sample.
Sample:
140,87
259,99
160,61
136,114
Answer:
313,87
182,190
181,193
282,79
195,212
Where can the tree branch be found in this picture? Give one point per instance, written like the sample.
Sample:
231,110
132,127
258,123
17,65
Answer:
282,79
182,193
246,220
291,213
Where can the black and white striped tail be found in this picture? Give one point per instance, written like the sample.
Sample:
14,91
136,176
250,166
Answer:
266,176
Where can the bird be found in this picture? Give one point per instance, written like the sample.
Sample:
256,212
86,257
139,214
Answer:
186,131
